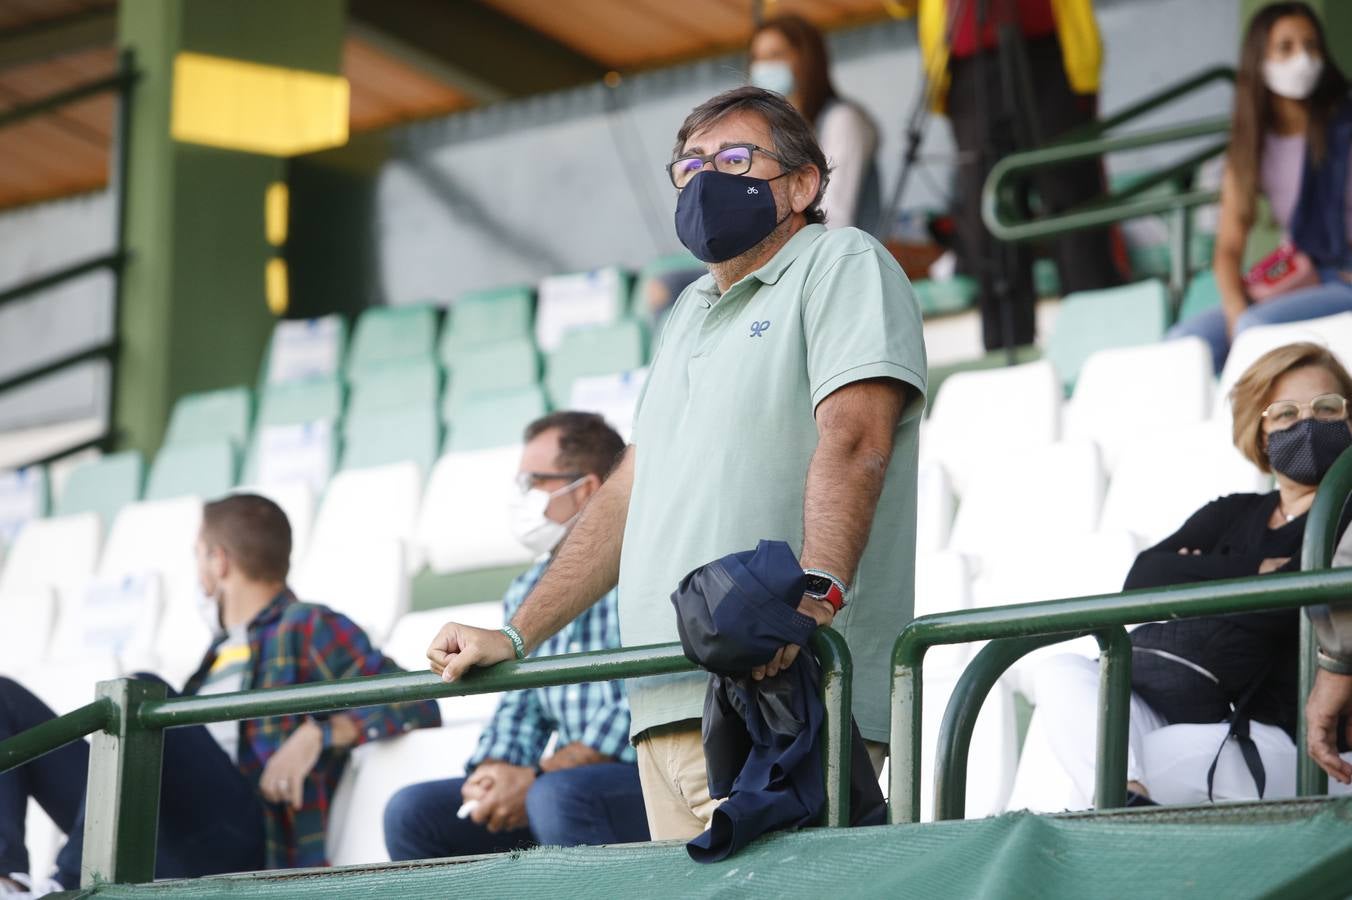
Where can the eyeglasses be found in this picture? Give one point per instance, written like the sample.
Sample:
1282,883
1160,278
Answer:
525,481
1324,408
735,159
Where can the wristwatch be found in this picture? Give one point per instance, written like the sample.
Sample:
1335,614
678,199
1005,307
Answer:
825,586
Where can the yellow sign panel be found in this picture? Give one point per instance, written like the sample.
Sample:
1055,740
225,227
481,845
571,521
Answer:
276,206
276,287
270,110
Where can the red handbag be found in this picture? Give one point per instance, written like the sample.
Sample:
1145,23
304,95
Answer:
1283,270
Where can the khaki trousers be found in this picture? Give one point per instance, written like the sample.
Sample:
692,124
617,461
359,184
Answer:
676,783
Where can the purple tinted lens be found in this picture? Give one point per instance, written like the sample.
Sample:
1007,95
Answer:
684,169
734,159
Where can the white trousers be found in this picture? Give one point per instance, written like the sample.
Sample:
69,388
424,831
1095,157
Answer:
1056,769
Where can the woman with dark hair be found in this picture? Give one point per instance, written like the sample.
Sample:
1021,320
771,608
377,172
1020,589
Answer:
1290,142
788,56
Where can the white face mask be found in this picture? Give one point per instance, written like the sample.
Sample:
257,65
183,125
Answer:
1293,77
531,527
773,75
209,609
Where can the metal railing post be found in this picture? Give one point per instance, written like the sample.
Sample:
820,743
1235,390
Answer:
1180,252
1114,717
837,692
903,790
1316,552
123,801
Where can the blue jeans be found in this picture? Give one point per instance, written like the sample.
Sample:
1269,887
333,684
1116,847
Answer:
211,820
597,804
1330,298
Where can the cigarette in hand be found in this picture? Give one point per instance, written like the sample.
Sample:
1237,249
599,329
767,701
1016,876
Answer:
467,808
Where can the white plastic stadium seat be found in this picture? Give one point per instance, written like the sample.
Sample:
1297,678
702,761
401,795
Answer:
612,396
1026,501
978,415
407,646
934,507
305,453
305,348
464,523
112,618
371,504
577,301
1166,476
27,619
23,498
161,536
376,771
1125,392
366,580
1334,332
59,552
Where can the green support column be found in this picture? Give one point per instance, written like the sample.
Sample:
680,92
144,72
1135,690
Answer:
194,314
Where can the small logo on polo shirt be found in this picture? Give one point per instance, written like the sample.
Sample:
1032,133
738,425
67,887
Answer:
758,329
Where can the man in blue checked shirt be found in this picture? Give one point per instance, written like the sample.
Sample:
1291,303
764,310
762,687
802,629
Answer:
587,791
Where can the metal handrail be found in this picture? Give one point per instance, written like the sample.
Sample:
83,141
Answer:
123,82
1075,220
1316,553
1068,618
1088,141
128,719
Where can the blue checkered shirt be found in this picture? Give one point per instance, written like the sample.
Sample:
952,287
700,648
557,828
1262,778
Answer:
595,713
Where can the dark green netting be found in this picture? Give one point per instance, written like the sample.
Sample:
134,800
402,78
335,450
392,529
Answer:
1301,849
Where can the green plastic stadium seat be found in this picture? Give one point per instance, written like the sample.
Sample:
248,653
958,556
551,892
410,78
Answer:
1202,294
391,436
211,416
295,402
203,469
300,349
580,300
602,350
494,419
486,317
502,366
938,297
416,382
386,334
1089,321
103,486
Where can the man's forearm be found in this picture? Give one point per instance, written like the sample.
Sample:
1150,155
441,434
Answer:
587,565
844,482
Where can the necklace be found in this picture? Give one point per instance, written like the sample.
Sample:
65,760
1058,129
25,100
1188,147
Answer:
1289,517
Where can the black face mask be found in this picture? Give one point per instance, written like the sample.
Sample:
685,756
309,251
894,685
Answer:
720,216
1307,450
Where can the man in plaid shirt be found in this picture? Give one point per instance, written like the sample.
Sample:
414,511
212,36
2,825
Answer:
587,791
234,795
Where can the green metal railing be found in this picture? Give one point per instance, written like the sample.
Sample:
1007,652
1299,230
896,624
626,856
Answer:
999,198
122,83
128,718
1018,629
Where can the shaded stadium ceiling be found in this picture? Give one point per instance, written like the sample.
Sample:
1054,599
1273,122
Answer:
405,60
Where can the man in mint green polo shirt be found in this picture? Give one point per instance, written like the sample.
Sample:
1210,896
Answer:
783,402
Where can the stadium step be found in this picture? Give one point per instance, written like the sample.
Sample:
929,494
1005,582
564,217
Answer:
1297,848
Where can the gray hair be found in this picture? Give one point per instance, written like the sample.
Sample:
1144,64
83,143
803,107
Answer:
795,143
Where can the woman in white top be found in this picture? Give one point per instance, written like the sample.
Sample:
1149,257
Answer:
788,57
1289,142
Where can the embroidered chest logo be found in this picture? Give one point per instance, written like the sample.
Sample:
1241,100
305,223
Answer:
758,329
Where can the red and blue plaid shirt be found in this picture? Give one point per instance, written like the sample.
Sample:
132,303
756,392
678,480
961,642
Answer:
291,643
